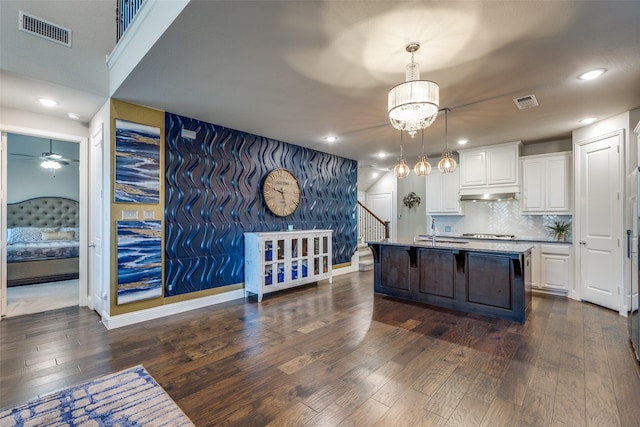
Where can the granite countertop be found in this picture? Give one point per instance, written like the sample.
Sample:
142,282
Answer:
498,246
516,240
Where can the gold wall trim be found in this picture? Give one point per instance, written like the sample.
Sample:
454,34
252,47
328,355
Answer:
343,265
205,293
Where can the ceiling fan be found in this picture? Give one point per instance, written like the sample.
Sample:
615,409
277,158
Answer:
48,158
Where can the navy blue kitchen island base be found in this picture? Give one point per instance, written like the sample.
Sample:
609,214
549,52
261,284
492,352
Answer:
490,279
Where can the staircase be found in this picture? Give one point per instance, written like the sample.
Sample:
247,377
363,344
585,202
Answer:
365,257
370,229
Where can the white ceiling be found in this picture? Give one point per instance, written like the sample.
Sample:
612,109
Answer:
299,70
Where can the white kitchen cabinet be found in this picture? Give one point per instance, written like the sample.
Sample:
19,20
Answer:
546,184
275,261
502,164
475,168
491,169
443,193
552,268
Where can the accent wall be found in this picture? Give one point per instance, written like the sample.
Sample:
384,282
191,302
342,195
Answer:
213,196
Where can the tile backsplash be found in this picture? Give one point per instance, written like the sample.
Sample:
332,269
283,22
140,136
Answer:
497,218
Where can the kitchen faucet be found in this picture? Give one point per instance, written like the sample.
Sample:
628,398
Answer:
433,231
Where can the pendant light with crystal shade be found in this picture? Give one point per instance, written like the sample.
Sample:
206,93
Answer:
413,105
401,170
422,168
447,164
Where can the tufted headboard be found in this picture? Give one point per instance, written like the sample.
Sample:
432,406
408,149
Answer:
43,212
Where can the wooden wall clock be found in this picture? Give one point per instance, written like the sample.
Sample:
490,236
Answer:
281,192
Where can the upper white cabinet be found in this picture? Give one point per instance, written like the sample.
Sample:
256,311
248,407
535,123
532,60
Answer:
546,184
442,193
490,169
475,169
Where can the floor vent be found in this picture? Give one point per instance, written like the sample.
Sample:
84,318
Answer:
45,29
525,102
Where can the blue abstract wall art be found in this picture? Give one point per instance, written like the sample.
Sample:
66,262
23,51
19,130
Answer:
213,196
137,168
139,260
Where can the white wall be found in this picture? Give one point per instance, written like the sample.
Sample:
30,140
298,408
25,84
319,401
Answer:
26,179
18,121
412,221
546,147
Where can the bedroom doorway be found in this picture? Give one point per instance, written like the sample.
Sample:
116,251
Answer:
41,223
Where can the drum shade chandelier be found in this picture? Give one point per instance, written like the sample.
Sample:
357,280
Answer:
413,105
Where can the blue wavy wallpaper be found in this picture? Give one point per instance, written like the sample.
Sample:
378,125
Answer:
213,196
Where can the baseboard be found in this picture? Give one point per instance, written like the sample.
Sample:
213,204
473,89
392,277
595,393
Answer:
550,292
350,269
113,322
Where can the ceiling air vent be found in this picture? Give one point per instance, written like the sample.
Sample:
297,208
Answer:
525,102
45,29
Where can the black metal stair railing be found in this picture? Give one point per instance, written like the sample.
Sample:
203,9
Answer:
125,12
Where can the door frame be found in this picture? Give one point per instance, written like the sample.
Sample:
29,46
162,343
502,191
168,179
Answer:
578,288
3,224
94,277
83,142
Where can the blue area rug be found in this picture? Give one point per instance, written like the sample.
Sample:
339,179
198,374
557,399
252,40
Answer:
127,398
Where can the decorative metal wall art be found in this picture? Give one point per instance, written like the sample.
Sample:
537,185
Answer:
411,200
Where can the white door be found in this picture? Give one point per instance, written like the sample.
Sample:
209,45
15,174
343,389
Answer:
381,204
632,244
600,223
3,224
95,223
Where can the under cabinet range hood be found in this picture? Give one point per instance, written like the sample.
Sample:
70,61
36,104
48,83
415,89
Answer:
488,197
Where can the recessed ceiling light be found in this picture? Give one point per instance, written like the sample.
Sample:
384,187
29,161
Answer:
47,102
588,120
382,154
331,138
375,175
73,116
593,74
462,142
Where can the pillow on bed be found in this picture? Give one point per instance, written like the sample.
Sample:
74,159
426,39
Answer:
75,230
57,235
29,234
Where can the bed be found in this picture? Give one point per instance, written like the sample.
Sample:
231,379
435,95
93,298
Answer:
42,240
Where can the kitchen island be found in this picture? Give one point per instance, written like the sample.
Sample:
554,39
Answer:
490,279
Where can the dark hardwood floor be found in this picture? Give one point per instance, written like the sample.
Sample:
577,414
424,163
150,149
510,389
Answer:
336,355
